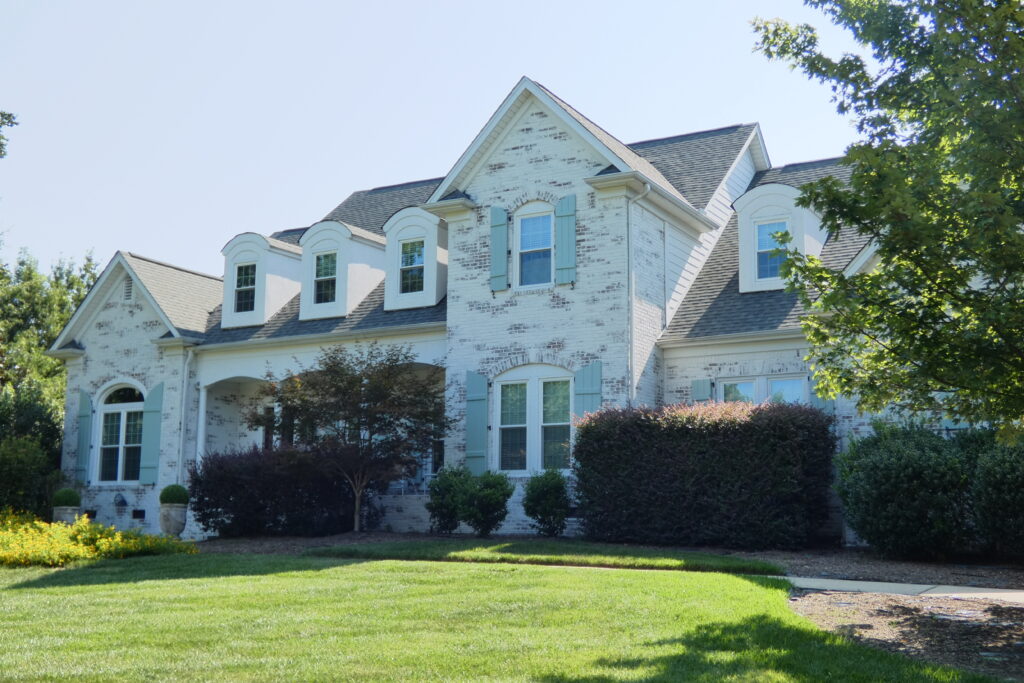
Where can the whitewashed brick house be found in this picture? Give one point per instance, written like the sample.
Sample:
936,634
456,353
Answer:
552,271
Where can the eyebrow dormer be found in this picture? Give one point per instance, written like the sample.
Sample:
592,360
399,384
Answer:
762,213
417,260
261,275
341,265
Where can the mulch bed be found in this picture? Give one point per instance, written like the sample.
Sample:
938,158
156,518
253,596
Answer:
984,636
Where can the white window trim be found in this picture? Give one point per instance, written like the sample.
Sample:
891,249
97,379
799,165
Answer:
235,288
102,409
532,210
784,219
422,266
320,279
534,376
761,384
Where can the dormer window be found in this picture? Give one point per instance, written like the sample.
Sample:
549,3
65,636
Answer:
411,271
534,245
325,282
245,287
769,262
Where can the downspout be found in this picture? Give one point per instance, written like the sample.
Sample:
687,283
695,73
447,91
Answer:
182,415
630,289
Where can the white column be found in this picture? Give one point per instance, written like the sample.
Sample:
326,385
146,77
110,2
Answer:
201,424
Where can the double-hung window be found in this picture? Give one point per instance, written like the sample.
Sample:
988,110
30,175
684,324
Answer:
777,389
121,435
245,287
411,270
769,263
534,246
534,420
325,279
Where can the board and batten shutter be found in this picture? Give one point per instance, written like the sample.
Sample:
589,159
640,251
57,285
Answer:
587,389
476,422
499,249
151,418
700,390
565,240
84,437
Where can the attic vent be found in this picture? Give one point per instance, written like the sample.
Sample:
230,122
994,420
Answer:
128,289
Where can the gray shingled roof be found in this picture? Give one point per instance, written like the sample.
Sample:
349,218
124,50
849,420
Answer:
369,316
185,296
714,305
371,209
696,163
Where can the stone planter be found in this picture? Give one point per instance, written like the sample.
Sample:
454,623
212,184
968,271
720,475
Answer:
66,513
172,518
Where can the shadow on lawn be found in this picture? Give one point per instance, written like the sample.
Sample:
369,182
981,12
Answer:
763,647
173,567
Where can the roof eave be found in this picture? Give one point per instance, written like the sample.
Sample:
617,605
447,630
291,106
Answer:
291,340
637,182
759,335
449,207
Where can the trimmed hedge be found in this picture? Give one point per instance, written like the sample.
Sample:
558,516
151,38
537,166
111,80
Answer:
730,474
546,502
27,479
270,492
67,498
911,493
456,495
175,494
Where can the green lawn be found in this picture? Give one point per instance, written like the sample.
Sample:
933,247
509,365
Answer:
304,618
543,551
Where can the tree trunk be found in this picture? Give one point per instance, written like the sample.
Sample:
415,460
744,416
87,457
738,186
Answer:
358,493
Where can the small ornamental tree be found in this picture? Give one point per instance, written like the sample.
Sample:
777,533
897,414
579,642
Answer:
368,410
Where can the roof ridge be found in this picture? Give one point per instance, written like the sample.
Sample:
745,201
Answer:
805,163
695,132
409,184
171,265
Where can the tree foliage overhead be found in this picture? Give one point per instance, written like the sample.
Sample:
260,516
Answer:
938,184
369,410
6,119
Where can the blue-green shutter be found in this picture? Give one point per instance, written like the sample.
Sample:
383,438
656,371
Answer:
565,240
827,405
499,249
587,389
84,437
151,418
700,390
476,422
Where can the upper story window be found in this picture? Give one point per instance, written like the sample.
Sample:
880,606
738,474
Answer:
121,435
411,270
780,389
325,281
769,262
534,419
534,258
245,287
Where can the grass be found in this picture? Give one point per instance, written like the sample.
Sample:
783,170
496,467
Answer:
564,552
312,618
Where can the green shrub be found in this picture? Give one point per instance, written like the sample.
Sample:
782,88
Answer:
546,502
175,494
67,498
905,490
731,474
997,492
486,505
27,479
448,493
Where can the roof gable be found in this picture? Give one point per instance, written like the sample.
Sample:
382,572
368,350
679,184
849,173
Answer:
614,152
184,296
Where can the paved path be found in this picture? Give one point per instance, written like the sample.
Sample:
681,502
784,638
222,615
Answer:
1007,594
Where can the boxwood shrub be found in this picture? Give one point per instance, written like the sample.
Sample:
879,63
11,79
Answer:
997,496
546,502
270,492
731,474
175,494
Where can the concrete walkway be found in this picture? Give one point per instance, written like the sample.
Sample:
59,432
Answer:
845,585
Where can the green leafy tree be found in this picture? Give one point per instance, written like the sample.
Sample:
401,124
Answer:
369,410
8,120
34,308
937,322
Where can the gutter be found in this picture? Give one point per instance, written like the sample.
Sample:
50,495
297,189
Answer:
739,337
291,340
678,209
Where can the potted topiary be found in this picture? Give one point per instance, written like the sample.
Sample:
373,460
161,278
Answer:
66,505
173,503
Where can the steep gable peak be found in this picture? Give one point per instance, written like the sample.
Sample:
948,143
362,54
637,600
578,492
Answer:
614,152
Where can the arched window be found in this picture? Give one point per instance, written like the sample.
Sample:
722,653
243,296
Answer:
121,435
533,418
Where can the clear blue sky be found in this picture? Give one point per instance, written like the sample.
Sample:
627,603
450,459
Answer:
165,128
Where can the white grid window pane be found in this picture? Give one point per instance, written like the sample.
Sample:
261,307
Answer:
513,404
535,267
412,254
327,265
535,233
556,402
785,390
765,241
738,391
